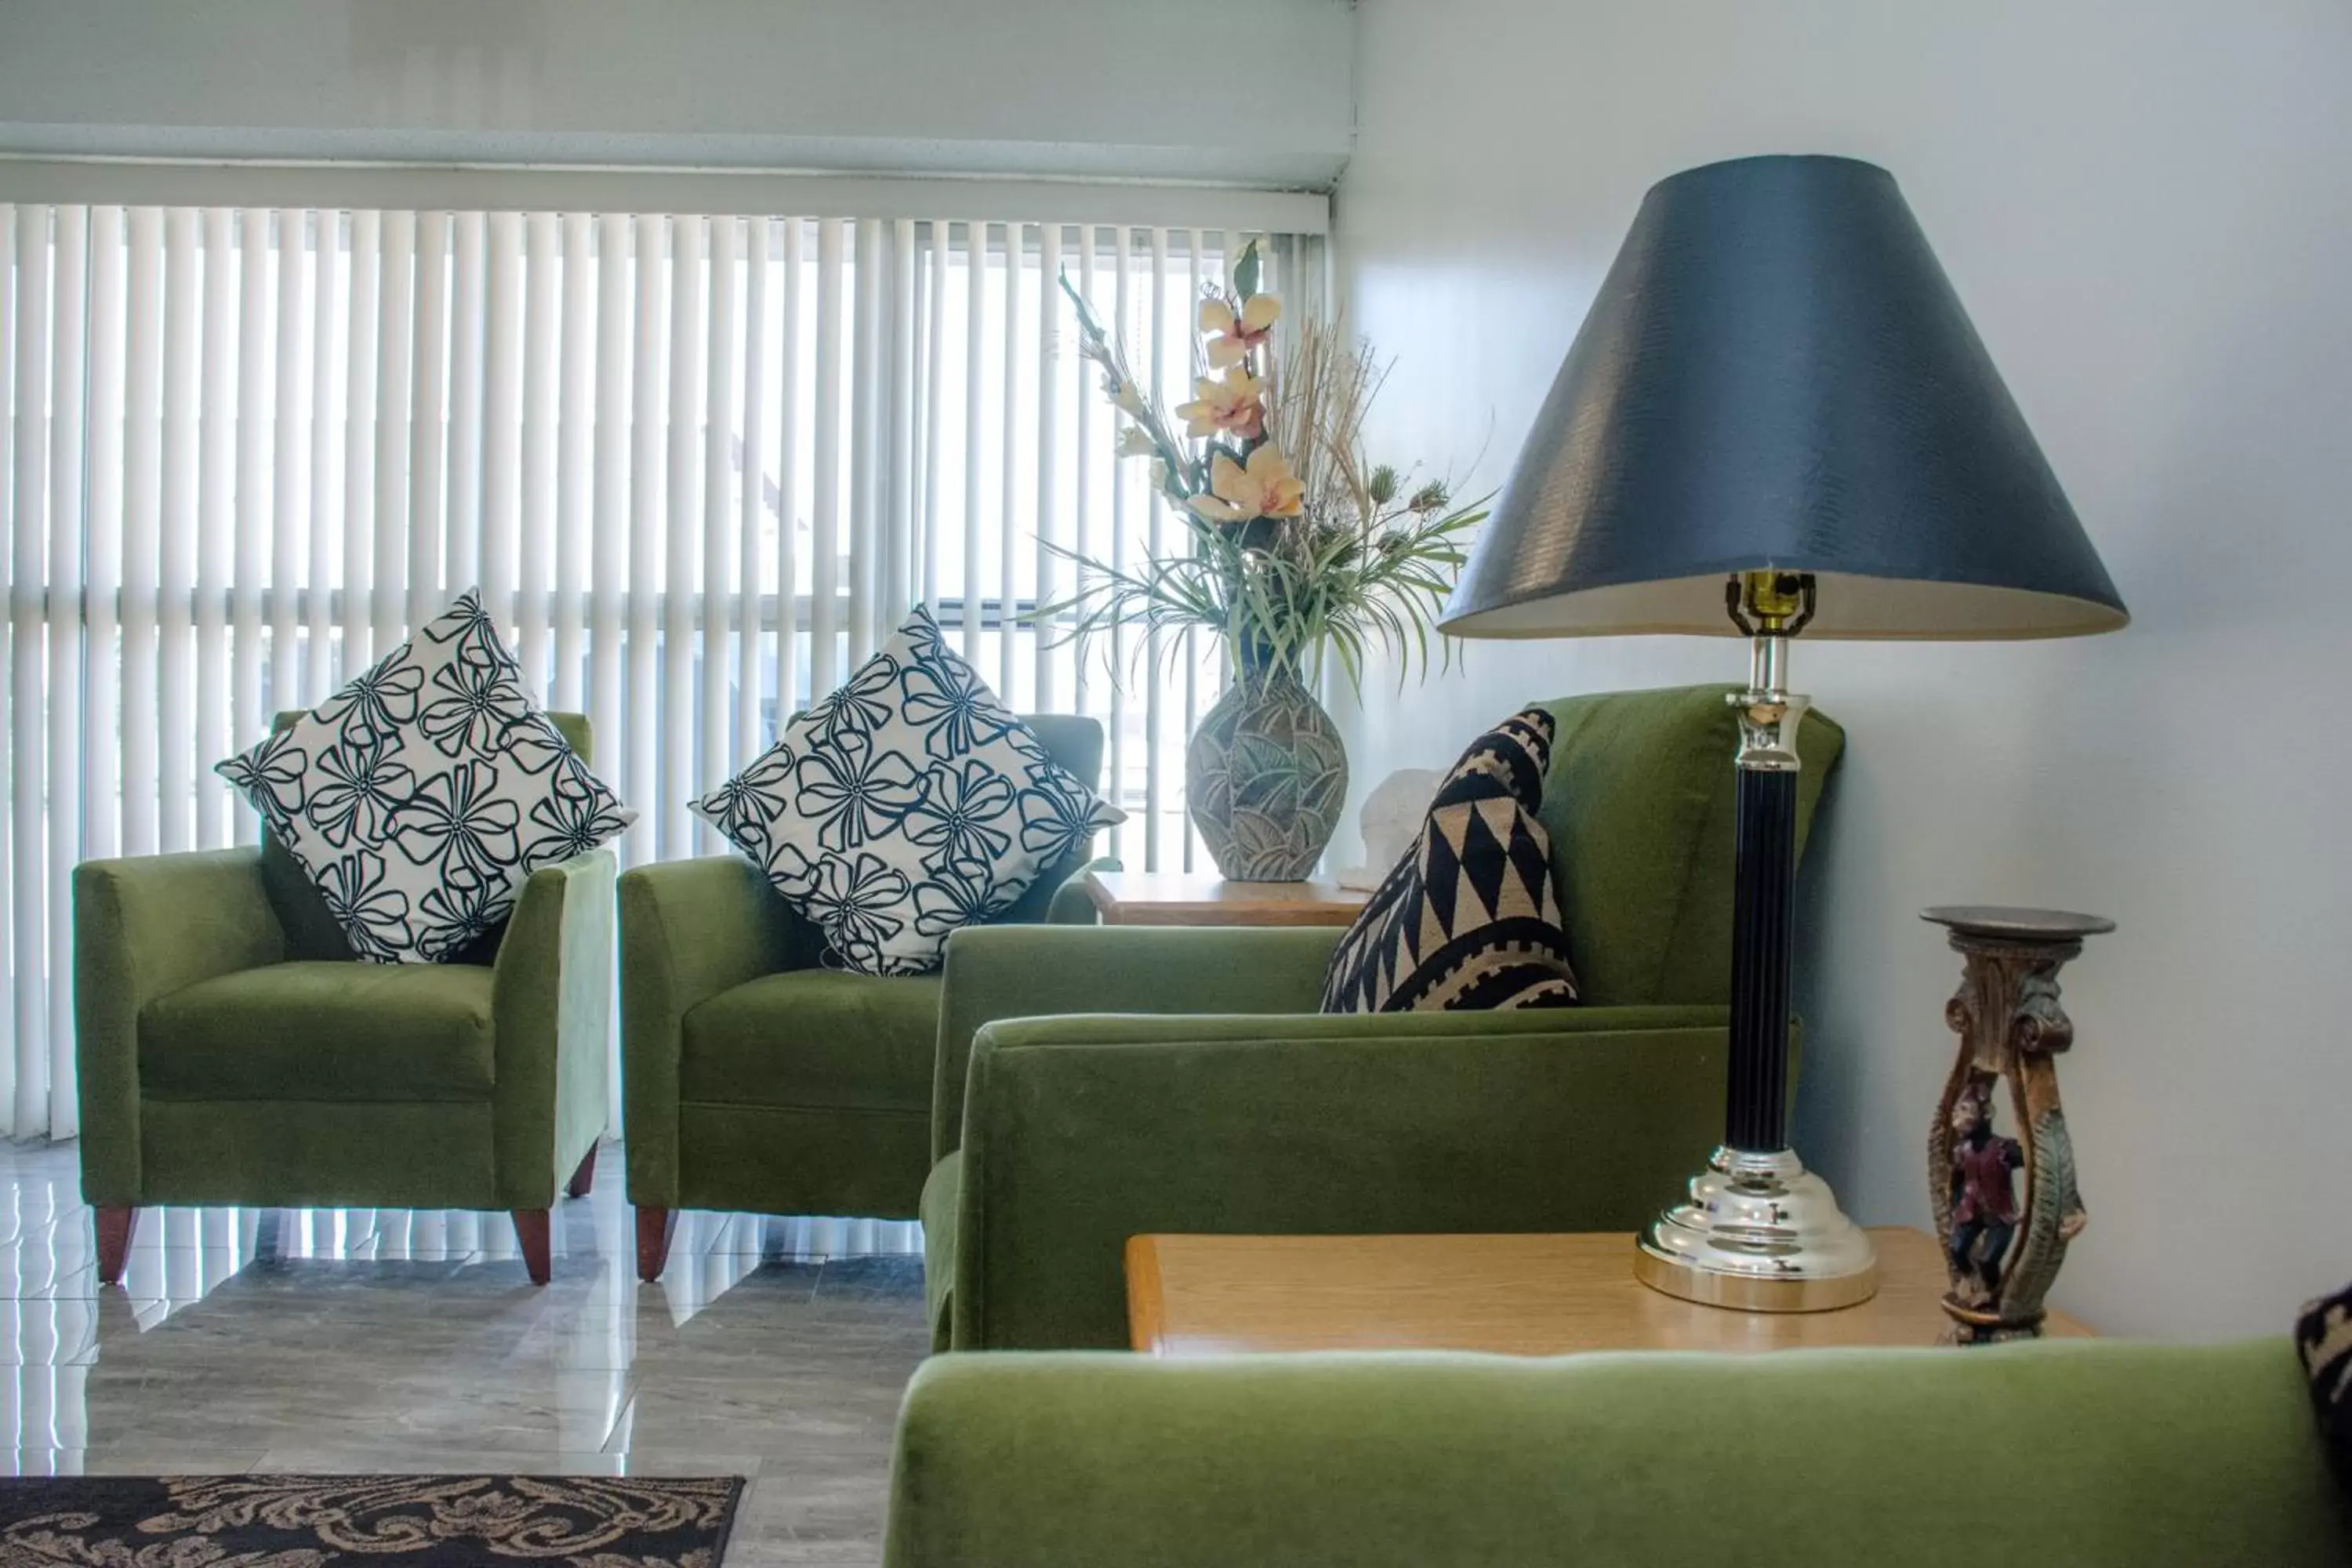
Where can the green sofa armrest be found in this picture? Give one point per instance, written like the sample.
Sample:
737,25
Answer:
144,928
552,1005
1071,904
1030,970
690,930
1083,1131
2093,1454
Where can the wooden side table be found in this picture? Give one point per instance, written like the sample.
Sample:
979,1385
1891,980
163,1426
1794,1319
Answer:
1185,898
1516,1295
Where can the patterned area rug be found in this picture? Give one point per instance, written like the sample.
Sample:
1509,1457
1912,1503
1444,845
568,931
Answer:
424,1521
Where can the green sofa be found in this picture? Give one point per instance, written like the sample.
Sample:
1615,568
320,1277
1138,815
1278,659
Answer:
232,1051
2068,1454
753,1079
1188,1083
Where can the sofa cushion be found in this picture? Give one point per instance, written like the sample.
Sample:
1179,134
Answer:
312,929
814,1037
322,1031
1467,921
905,805
420,797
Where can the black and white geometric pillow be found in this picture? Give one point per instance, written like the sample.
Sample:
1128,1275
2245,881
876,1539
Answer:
420,796
907,803
2323,1334
1467,921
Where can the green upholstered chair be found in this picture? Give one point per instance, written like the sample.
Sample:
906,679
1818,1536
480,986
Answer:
2088,1453
1099,1083
755,1079
232,1051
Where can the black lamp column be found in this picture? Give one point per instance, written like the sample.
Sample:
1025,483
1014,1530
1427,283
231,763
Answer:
1763,905
1772,608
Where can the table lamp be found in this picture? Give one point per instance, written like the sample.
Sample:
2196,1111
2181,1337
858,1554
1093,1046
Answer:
1775,419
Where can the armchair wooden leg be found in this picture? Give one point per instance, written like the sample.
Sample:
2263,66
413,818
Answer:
584,1178
531,1229
115,1223
653,1226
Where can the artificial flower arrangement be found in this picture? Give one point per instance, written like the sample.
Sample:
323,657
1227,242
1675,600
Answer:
1296,544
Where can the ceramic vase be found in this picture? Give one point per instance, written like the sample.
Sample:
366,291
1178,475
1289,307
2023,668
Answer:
1266,776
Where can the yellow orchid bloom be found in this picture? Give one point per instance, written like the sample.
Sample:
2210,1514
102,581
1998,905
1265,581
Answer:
1265,487
1228,403
1232,337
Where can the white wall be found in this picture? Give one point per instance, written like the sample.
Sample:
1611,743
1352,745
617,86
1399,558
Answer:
2148,209
1032,87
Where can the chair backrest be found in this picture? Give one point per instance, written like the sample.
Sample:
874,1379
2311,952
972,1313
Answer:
1077,744
2101,1454
1639,807
311,931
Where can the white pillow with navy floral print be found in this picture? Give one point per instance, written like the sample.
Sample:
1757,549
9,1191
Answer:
907,804
422,794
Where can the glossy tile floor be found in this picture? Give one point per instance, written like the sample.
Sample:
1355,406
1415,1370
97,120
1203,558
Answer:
396,1339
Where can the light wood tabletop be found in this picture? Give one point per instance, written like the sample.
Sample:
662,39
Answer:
1518,1295
1188,899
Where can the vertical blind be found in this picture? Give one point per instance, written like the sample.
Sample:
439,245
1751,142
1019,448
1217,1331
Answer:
699,467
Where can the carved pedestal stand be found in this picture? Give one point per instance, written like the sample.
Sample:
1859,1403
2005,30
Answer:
2003,1249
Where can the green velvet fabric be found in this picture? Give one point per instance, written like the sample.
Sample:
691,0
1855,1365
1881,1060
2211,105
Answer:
1206,1204
312,1030
1639,807
551,996
213,1071
689,930
1071,904
2085,1453
385,1155
1086,1130
816,1038
312,933
755,1079
1077,1132
943,1191
782,1160
1017,972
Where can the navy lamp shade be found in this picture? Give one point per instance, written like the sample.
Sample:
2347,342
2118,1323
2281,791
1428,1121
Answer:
1775,419
1777,374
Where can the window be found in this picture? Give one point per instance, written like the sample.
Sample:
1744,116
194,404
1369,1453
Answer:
700,466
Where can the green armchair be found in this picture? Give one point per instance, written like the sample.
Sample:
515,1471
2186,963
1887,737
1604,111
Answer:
755,1079
1098,1083
232,1051
2091,1454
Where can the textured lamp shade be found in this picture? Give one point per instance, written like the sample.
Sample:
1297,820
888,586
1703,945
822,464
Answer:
1776,374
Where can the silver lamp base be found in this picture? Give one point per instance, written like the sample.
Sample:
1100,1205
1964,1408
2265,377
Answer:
1758,1233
